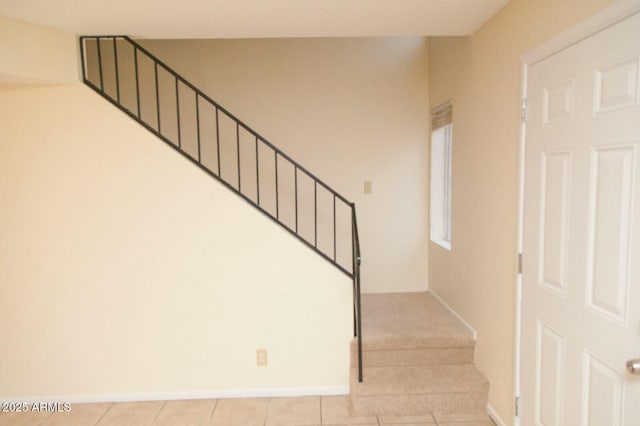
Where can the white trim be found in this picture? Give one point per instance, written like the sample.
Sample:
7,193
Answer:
518,295
457,316
170,396
609,16
443,243
494,416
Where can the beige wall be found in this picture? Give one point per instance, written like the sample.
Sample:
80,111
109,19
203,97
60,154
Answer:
122,267
32,54
125,272
349,110
481,74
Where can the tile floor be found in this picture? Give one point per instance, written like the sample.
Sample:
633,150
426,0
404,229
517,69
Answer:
302,411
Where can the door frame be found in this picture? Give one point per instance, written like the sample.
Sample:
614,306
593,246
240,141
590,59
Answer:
604,19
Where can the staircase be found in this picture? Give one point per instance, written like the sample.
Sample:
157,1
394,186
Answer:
417,359
221,145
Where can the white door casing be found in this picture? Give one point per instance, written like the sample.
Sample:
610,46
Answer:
581,233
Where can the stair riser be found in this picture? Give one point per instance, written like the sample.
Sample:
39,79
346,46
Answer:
409,357
418,404
446,383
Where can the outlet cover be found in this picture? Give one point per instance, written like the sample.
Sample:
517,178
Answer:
368,187
261,358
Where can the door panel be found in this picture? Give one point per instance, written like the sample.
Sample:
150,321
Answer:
550,373
609,231
602,392
554,220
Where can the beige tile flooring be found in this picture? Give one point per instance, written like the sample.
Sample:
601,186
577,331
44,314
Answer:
300,411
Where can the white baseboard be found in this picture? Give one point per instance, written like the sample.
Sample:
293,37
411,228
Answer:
461,320
494,416
170,396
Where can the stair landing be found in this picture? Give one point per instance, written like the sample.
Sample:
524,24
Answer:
417,358
408,320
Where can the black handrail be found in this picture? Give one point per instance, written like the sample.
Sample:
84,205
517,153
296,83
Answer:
96,61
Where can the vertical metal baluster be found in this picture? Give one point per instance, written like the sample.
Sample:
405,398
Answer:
334,226
315,213
178,113
257,175
115,57
238,152
295,180
198,124
277,202
155,68
100,64
135,60
218,140
83,47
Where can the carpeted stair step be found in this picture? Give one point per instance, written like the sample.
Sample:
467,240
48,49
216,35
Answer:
419,389
427,353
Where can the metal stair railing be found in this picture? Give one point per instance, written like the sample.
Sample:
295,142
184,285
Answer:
227,149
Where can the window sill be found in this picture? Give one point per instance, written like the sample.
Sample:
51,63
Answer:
443,243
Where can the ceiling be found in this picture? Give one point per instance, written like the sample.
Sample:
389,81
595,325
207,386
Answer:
256,18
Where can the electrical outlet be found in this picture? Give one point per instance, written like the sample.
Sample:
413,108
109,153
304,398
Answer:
368,187
261,357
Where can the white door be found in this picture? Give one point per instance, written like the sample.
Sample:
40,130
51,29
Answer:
581,272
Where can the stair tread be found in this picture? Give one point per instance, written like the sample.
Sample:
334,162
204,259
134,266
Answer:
419,380
409,320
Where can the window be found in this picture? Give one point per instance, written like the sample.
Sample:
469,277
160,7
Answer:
440,195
